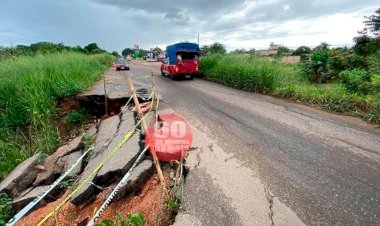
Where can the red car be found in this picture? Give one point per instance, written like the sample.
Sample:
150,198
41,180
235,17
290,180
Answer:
121,64
182,60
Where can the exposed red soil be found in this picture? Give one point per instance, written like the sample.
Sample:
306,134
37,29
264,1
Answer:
148,200
67,104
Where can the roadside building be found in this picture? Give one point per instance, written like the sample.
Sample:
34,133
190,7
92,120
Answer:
273,48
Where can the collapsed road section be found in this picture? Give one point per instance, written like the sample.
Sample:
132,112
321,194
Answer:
63,187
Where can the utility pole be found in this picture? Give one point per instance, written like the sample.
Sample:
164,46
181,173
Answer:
198,38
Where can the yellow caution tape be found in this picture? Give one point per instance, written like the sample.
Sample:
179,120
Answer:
95,171
118,146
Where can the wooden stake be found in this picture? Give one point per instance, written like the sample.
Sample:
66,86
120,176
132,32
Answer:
137,104
154,96
105,95
143,124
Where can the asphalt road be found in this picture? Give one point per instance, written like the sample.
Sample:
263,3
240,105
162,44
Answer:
269,161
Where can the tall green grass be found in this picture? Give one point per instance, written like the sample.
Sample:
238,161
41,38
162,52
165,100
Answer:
29,87
286,80
241,72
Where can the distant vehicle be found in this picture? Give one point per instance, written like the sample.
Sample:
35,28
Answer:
150,57
160,57
122,64
182,60
129,57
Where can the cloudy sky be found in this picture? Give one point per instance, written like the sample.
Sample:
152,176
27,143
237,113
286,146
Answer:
116,24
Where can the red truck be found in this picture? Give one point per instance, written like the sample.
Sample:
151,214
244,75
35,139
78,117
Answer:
182,60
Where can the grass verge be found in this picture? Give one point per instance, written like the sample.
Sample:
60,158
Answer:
284,80
29,88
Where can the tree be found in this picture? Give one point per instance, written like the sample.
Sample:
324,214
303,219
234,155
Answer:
92,47
205,50
321,47
365,45
96,51
127,51
217,48
79,49
317,67
116,54
143,53
239,51
157,51
251,51
302,50
373,23
243,51
213,49
47,47
282,50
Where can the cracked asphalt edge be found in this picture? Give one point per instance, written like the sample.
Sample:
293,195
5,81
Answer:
235,185
269,196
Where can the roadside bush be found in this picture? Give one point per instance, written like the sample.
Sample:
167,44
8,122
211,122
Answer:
5,208
129,220
356,81
375,83
374,63
316,70
76,116
365,45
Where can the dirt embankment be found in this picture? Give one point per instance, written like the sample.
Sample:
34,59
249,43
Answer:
148,200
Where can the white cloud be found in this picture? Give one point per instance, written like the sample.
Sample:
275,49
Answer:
116,24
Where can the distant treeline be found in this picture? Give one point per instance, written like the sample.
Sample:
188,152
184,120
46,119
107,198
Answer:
48,47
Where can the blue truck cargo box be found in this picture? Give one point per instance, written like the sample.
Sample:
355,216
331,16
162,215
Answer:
172,50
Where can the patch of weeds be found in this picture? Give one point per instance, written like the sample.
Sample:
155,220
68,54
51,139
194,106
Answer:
372,116
86,140
176,197
5,208
158,217
129,220
174,204
71,215
66,183
75,117
41,158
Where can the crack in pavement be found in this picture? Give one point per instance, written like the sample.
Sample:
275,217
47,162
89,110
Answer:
269,197
211,147
199,158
